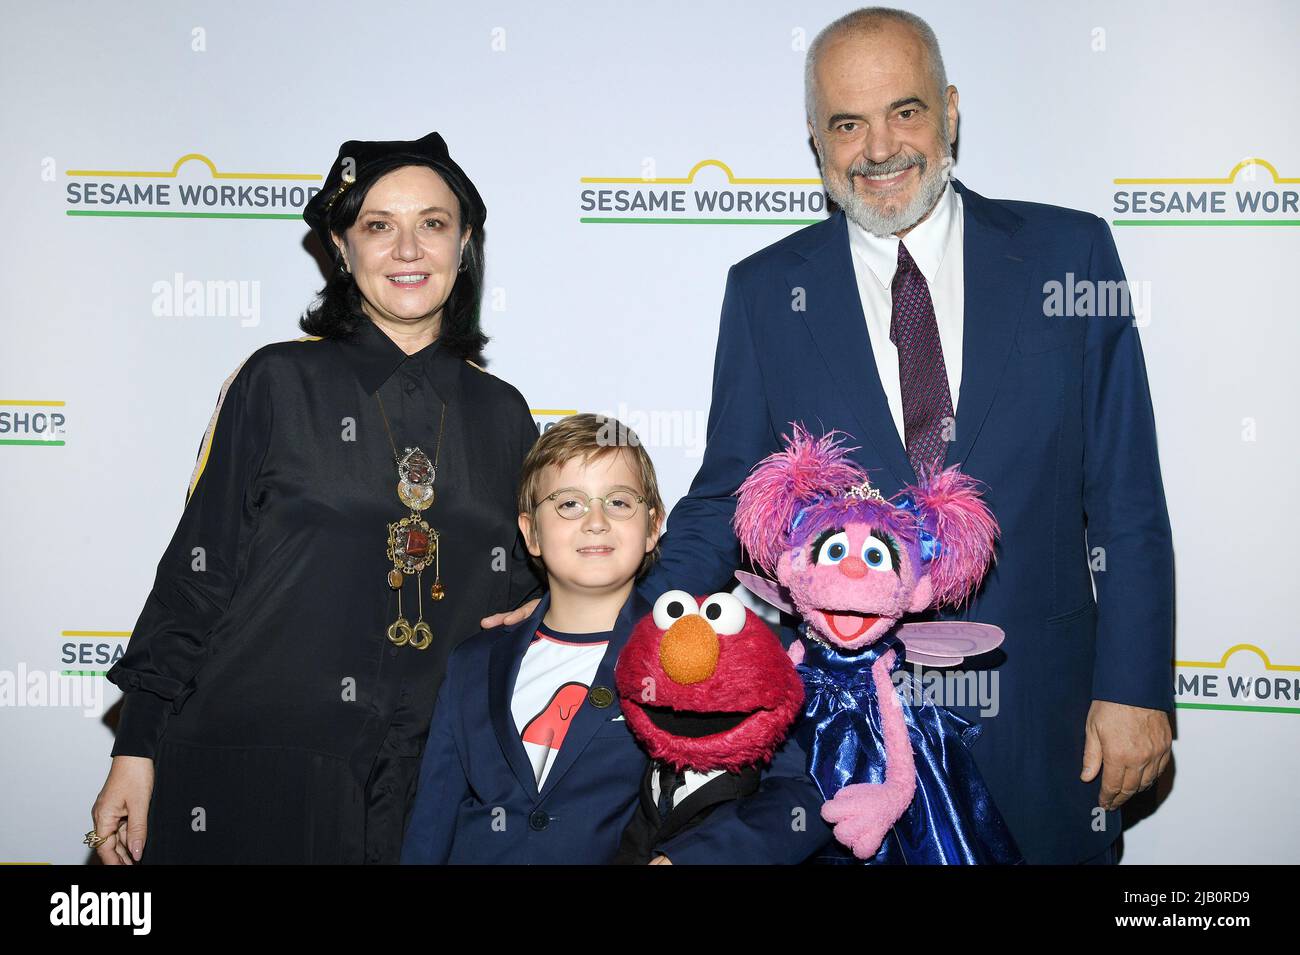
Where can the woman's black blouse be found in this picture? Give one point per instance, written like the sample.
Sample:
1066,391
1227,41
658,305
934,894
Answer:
283,724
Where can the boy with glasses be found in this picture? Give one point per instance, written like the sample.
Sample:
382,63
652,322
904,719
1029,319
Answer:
528,758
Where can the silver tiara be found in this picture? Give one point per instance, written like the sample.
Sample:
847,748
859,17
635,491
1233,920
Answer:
864,492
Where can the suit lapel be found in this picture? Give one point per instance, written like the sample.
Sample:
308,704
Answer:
717,790
589,717
503,669
994,295
836,322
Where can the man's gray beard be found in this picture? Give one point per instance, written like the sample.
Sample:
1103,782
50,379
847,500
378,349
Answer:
933,180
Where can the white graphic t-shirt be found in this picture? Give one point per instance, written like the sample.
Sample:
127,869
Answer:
554,679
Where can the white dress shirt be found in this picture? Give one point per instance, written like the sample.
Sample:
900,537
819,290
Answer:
691,781
936,247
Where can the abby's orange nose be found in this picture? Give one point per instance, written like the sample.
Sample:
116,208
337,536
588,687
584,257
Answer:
855,568
688,652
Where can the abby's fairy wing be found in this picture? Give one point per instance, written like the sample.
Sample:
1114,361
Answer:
766,590
946,643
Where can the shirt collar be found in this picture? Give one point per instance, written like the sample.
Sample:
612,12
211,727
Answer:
375,358
926,243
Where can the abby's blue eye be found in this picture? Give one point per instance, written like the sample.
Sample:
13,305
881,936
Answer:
833,550
876,554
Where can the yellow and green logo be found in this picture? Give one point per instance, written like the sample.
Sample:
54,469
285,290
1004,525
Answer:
33,423
710,194
1243,678
193,188
84,652
1251,194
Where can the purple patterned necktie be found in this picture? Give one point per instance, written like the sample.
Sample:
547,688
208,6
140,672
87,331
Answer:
927,405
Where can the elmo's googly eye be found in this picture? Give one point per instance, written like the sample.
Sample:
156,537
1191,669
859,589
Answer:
876,554
832,550
672,606
725,613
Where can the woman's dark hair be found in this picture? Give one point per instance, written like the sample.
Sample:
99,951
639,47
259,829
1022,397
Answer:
337,310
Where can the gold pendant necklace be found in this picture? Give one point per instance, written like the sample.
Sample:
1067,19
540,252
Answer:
412,543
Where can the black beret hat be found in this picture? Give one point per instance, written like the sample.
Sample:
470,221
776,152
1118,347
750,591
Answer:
359,154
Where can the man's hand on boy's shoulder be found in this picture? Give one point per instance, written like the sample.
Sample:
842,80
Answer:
510,617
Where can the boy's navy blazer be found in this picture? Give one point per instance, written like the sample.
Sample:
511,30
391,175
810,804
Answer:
477,801
1053,415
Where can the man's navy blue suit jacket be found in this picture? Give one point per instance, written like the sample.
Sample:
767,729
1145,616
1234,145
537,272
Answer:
1053,415
478,802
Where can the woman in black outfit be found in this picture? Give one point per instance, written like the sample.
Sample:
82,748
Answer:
351,518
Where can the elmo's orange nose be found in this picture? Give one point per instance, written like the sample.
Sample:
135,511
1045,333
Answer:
689,650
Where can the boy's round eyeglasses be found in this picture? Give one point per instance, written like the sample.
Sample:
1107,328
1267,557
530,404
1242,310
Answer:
571,504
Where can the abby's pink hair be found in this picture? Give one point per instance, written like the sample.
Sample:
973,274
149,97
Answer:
783,484
952,511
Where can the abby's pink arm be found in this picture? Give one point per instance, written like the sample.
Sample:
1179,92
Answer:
863,812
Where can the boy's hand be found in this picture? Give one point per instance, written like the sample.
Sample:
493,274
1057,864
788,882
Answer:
522,612
660,860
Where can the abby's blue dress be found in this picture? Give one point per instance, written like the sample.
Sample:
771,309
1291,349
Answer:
952,818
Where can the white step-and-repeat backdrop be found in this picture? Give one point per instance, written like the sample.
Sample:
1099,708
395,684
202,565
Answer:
155,158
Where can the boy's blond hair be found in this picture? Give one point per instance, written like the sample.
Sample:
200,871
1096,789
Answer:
588,436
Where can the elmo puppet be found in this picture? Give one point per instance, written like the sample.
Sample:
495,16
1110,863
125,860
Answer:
710,692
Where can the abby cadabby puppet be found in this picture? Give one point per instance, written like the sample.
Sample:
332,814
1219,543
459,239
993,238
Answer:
899,781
